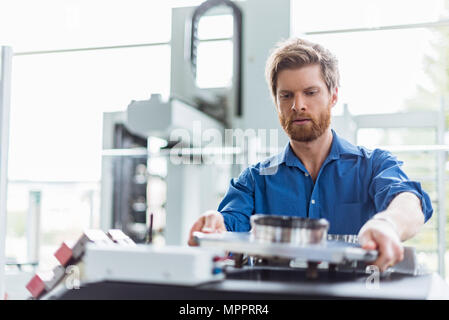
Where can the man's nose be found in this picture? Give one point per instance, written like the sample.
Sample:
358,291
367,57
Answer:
298,103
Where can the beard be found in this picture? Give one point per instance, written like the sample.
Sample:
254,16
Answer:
308,132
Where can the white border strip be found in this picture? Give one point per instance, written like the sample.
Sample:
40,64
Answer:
5,98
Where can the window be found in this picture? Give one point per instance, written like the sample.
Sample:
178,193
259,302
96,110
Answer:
29,25
58,100
320,15
215,51
377,74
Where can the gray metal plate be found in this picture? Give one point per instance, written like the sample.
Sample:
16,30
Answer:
331,251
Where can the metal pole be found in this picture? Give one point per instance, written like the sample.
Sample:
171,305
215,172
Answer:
33,226
5,92
92,220
441,193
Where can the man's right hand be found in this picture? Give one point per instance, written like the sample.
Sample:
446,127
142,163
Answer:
210,222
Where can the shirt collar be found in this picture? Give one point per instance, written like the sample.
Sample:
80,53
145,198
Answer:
343,146
339,146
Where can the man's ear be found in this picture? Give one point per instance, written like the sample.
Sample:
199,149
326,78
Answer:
334,98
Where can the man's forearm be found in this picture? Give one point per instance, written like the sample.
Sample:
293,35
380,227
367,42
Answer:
406,212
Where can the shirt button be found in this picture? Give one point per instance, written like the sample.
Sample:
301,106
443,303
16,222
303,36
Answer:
306,174
313,201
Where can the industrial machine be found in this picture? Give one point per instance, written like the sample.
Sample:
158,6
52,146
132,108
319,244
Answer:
280,259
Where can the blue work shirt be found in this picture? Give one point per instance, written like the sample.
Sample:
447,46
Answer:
353,184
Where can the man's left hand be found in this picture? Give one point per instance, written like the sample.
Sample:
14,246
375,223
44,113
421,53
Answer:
380,235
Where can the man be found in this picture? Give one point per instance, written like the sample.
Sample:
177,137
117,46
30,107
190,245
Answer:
319,174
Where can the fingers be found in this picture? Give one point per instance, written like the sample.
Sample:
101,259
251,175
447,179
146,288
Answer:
210,222
366,240
197,226
390,252
385,259
378,235
369,245
213,223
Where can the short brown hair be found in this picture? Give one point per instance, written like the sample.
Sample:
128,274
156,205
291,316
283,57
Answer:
296,53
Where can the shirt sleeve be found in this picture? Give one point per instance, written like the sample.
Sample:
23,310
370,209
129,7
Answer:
389,180
238,204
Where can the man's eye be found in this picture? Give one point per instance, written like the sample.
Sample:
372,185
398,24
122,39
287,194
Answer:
285,95
310,93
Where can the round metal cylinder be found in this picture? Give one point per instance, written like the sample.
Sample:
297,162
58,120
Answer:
287,229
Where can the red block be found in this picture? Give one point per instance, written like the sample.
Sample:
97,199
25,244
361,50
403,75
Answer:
36,286
73,252
64,254
69,253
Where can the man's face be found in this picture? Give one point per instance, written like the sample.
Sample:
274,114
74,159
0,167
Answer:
304,102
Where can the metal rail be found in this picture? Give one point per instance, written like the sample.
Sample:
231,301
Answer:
436,24
125,46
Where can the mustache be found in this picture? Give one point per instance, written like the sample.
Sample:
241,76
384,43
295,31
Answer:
301,116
